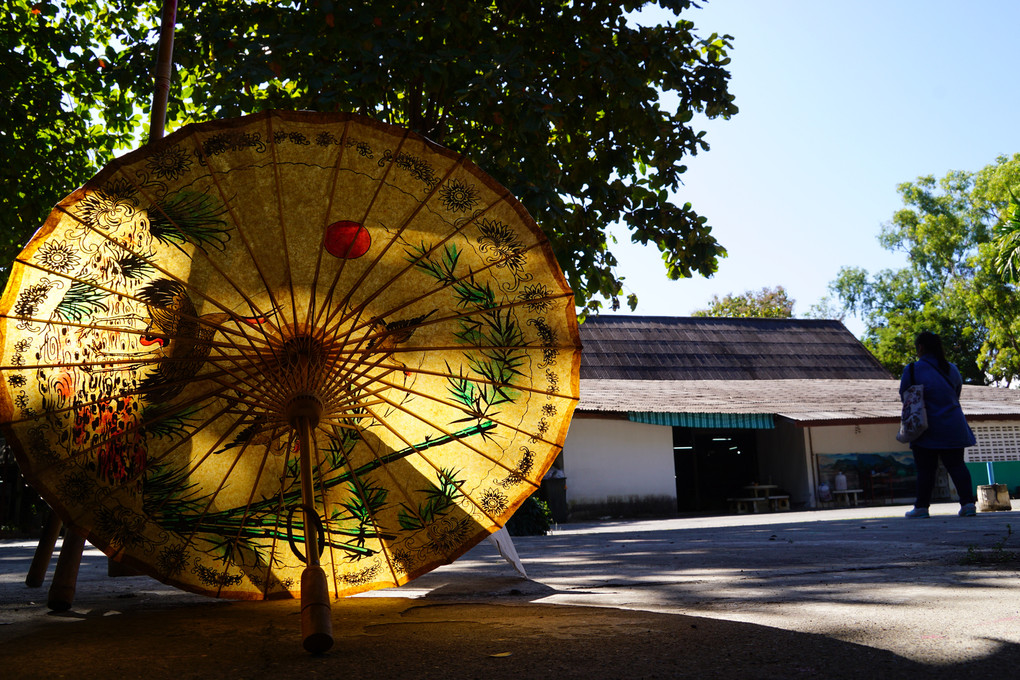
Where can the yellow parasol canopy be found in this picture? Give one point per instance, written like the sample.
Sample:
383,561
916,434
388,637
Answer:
178,320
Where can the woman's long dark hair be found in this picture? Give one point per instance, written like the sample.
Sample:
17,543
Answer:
927,342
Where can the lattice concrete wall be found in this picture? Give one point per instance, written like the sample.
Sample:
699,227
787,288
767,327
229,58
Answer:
995,443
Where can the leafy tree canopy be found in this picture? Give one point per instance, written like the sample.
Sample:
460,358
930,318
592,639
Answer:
767,303
951,285
56,70
559,101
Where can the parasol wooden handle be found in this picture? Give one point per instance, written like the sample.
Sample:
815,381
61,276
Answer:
316,618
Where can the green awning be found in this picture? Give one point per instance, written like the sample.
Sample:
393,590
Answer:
713,421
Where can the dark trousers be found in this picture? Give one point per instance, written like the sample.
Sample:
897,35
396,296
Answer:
927,461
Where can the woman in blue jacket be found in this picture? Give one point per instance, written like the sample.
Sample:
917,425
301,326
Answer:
948,433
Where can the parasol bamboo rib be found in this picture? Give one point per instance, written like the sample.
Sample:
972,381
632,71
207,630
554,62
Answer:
162,270
241,233
442,473
309,316
368,209
407,220
445,433
400,488
288,449
251,497
466,277
471,220
463,408
191,468
413,264
279,216
81,453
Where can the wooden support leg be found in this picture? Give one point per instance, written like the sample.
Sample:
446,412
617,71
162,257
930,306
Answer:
43,552
65,576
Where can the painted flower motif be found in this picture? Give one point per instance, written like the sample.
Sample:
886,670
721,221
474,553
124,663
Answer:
77,487
211,577
105,211
21,401
29,300
403,561
58,256
173,560
446,534
535,297
17,380
121,188
458,196
22,345
364,149
122,526
508,251
362,576
169,163
325,139
545,333
494,502
419,168
549,410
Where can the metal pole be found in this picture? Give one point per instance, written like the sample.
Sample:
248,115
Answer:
164,61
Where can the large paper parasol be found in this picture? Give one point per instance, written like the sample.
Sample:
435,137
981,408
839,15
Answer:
260,340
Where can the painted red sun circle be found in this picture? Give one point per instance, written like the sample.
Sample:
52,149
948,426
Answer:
347,239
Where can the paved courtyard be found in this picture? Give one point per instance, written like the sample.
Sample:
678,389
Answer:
850,593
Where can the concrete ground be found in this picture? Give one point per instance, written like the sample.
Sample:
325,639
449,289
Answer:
851,593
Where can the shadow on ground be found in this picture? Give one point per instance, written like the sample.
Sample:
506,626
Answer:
399,638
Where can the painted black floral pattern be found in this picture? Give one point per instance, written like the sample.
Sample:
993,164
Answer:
458,196
169,162
535,297
105,210
173,560
494,502
58,256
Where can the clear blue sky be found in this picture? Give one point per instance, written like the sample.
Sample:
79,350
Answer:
839,103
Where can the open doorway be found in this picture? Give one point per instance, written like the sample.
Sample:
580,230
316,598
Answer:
711,466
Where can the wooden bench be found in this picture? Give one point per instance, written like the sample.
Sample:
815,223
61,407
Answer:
847,497
779,503
742,506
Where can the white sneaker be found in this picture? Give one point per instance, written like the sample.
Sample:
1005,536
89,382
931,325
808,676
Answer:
918,513
967,510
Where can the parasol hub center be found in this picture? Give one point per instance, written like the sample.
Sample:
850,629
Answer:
304,405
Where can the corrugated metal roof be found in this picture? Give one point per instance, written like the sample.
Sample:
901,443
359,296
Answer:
802,400
695,348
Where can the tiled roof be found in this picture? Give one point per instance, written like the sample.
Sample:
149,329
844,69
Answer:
694,348
803,400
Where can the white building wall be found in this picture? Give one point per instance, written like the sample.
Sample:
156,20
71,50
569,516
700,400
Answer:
617,458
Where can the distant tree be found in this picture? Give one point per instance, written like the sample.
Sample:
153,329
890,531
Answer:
560,101
767,303
952,283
